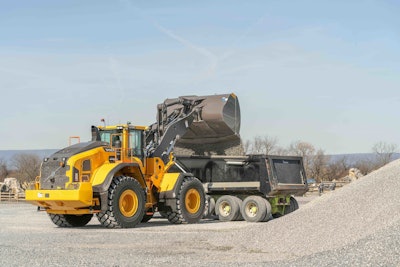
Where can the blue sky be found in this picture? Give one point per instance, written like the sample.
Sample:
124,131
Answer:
324,72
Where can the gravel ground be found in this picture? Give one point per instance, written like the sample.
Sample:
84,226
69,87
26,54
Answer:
358,225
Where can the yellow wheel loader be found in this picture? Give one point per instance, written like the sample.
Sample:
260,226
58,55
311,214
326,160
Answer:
123,175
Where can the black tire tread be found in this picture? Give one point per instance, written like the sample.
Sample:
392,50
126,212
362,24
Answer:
108,218
69,220
294,205
177,216
59,220
269,209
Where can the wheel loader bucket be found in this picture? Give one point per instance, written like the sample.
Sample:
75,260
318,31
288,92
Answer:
218,121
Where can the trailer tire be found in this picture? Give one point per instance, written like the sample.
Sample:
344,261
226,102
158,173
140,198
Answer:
240,216
126,204
254,209
294,205
190,202
227,208
69,220
268,216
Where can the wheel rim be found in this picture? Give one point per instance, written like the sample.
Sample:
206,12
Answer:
251,209
128,203
192,201
225,208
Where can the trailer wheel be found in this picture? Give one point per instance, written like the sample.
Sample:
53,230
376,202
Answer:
268,216
240,216
126,204
190,202
254,209
68,220
294,205
228,208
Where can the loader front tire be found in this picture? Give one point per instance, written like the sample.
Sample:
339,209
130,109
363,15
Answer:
190,203
68,220
126,204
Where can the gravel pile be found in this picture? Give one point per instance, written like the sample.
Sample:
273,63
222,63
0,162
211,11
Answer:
357,225
361,220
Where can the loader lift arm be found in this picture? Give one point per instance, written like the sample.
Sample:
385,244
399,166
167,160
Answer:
169,127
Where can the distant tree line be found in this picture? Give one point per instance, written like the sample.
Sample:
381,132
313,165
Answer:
318,165
25,167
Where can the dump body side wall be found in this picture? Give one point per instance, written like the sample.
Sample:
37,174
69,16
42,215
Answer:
253,174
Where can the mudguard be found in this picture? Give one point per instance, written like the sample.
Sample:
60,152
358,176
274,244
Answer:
103,178
170,186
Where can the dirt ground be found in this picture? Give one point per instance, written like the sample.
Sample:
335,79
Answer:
29,238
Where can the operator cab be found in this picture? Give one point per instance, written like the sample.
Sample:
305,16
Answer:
126,140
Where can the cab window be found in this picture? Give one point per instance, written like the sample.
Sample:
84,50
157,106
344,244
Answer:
110,137
105,136
135,142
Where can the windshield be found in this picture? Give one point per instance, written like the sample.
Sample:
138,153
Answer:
105,136
110,136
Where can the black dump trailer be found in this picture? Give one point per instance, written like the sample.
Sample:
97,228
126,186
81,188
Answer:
252,187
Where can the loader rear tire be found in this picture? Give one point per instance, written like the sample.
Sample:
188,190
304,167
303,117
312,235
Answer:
126,204
228,208
68,220
190,203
